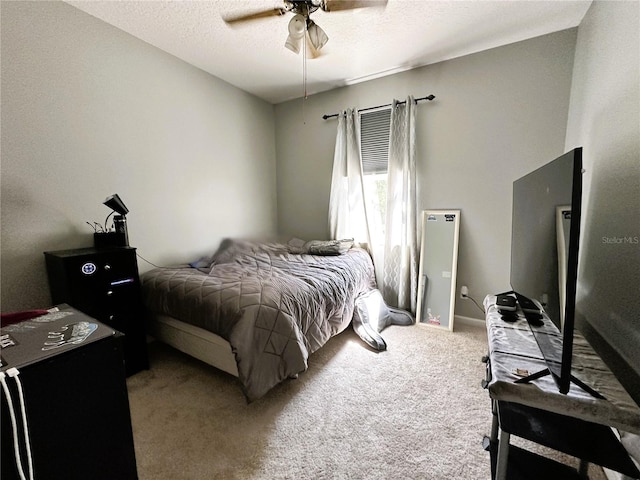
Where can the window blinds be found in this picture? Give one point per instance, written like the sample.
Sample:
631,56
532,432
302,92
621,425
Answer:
374,140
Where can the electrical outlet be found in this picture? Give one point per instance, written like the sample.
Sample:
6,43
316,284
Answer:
464,291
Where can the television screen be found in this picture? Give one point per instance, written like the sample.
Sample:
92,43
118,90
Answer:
544,254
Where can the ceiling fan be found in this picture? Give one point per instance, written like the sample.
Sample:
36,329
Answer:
301,25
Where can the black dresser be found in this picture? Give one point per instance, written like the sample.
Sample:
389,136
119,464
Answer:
103,283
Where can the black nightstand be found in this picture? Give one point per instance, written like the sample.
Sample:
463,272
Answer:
104,284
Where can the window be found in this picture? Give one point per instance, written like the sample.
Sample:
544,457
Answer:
374,143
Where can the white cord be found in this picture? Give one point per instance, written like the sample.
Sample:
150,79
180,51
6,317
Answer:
16,445
13,372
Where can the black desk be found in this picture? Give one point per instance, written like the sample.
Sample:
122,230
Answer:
577,423
71,373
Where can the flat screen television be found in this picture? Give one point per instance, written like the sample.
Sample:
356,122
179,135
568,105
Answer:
544,259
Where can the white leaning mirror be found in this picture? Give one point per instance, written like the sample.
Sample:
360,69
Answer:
438,266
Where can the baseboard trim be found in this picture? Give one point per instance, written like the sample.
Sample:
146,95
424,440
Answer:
468,320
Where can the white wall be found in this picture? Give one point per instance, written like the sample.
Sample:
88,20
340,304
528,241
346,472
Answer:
87,111
497,115
604,117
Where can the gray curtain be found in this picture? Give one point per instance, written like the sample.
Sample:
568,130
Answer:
400,272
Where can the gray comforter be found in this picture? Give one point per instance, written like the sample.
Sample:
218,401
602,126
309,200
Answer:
274,307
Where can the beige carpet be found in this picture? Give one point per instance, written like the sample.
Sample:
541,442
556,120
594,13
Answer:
416,411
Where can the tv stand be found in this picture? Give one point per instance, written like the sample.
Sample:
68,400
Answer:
574,380
541,324
575,423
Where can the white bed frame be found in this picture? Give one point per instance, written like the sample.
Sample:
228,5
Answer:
194,341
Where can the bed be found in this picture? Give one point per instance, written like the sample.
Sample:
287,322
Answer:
258,310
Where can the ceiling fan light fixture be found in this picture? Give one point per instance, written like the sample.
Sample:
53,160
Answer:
293,44
317,37
297,26
296,33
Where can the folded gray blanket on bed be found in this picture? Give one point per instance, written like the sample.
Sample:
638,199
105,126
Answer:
274,307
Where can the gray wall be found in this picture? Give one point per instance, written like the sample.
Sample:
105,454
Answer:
604,117
498,114
87,111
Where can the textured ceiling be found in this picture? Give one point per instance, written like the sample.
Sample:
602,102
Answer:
363,43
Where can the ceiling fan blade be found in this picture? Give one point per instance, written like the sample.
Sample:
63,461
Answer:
337,5
275,12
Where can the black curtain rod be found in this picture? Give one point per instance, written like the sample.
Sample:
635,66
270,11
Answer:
428,97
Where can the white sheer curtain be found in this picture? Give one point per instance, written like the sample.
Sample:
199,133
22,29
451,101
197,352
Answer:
347,212
400,272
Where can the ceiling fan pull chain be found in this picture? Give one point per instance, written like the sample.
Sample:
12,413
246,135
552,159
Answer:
304,73
304,60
